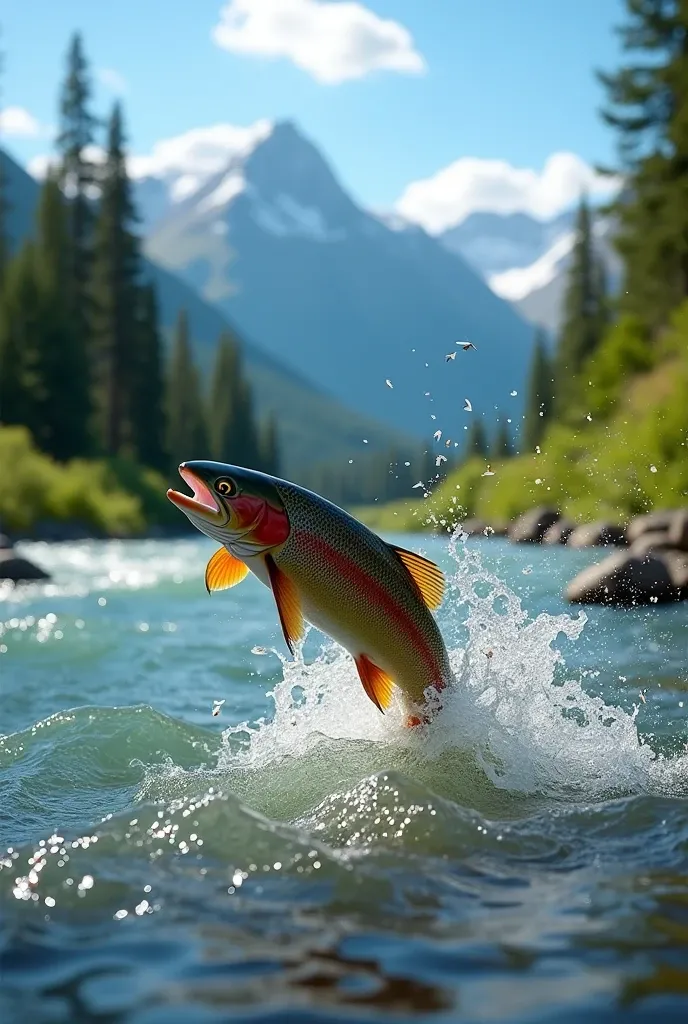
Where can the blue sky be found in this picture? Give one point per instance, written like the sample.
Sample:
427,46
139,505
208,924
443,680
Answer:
509,80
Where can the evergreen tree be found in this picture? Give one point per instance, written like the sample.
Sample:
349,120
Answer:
115,297
61,362
539,396
148,398
4,206
251,452
476,441
77,175
224,426
269,446
21,393
584,312
648,107
503,448
187,436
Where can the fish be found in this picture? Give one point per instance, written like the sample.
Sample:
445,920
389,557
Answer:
325,567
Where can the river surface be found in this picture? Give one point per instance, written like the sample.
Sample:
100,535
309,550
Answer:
302,858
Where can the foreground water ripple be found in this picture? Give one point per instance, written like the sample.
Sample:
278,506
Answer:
301,857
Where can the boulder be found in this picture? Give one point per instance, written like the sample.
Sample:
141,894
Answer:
678,531
531,527
559,532
648,523
654,540
473,526
624,580
16,569
597,535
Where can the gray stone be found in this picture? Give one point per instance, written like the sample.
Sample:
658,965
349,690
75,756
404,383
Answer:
559,532
648,523
678,531
625,580
597,535
531,527
655,540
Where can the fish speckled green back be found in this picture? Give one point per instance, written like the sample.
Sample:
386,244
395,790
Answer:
355,585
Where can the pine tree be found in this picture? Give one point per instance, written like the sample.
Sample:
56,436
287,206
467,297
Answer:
61,363
251,453
21,394
224,426
115,297
148,398
4,207
584,312
187,436
269,446
502,448
476,441
648,106
539,396
77,175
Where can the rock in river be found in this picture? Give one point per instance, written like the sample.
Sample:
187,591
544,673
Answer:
533,525
16,569
597,535
559,532
625,579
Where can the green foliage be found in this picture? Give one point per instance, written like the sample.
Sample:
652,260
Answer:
623,353
502,447
539,395
148,391
648,107
36,489
476,441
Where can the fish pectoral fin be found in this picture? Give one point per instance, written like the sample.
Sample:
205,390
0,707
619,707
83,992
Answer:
376,683
427,576
224,571
288,603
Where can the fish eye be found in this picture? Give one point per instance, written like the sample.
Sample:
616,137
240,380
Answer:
226,487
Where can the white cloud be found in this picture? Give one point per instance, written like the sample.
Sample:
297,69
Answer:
16,121
331,41
112,80
191,158
469,185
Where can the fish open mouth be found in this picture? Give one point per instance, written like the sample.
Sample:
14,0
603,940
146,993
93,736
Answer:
202,503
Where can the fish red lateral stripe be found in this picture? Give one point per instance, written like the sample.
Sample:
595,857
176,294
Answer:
377,594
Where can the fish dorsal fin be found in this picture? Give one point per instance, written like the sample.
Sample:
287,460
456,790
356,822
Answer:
376,683
428,577
288,603
224,571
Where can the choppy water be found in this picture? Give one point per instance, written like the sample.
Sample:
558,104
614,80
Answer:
302,858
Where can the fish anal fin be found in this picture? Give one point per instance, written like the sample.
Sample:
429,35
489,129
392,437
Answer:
288,603
427,576
376,683
224,571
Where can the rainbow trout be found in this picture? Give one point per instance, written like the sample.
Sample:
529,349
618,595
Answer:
325,567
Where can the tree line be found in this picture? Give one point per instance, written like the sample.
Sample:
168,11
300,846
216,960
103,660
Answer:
82,356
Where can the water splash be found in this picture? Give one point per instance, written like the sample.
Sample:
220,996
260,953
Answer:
514,717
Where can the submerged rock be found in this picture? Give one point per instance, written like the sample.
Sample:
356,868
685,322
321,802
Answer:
654,540
597,535
559,532
531,527
625,579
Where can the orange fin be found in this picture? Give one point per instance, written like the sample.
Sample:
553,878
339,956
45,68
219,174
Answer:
288,603
376,683
425,574
224,571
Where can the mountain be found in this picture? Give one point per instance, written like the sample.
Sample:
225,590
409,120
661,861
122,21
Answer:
313,425
526,261
343,296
